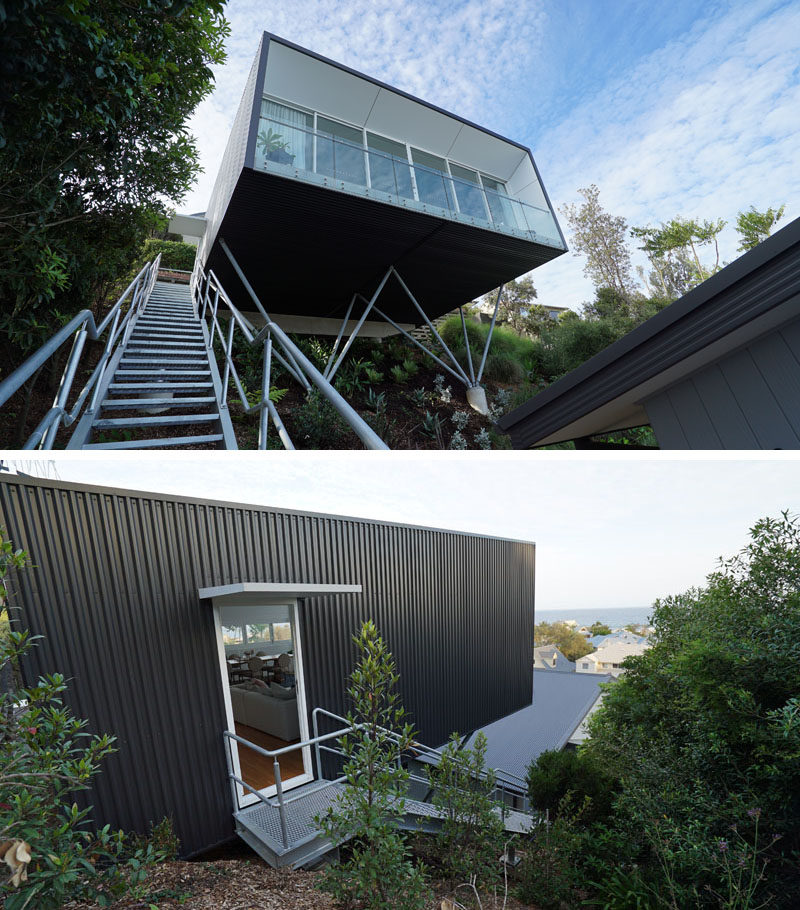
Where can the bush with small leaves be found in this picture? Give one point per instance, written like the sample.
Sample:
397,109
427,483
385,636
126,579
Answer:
483,440
399,374
378,873
460,420
373,376
410,366
458,441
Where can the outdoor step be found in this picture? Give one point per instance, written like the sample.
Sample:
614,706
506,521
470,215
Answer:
165,334
113,404
156,359
159,386
169,420
162,343
184,373
157,443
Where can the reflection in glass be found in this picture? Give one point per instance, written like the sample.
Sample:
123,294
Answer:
342,155
500,205
468,192
433,183
388,166
284,136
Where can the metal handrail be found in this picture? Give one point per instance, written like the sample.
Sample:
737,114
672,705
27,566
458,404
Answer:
317,741
83,326
208,293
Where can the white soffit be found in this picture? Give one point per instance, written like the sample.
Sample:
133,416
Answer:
485,152
316,85
401,118
190,225
249,591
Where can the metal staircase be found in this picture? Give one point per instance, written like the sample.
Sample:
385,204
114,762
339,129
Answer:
283,829
163,388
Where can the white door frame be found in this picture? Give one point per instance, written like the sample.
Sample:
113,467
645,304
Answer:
241,796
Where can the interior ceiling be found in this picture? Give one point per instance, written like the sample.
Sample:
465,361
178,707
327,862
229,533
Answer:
307,249
320,86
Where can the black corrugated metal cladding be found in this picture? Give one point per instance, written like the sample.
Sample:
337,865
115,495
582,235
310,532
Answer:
114,593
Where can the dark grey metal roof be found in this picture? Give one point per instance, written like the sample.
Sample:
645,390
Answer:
560,702
750,296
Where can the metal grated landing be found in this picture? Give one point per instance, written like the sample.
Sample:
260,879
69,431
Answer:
300,814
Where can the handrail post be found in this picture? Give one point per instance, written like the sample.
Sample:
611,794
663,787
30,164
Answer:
266,370
281,805
65,386
223,402
315,725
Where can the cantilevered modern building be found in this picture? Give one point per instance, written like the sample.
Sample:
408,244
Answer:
331,180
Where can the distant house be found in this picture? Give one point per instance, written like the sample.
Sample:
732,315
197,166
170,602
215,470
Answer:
609,658
717,369
554,721
621,635
548,657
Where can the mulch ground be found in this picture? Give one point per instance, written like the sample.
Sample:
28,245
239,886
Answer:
250,884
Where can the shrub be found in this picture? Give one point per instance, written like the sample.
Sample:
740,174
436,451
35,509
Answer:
471,839
46,757
555,773
318,423
399,374
377,873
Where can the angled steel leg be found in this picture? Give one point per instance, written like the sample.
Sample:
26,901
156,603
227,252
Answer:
339,336
357,329
463,376
466,344
491,332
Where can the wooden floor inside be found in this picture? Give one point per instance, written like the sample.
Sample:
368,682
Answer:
257,769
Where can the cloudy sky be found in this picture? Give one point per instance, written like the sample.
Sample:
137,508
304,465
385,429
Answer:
670,108
610,530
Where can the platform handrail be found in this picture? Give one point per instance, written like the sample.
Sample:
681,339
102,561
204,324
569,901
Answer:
83,326
208,293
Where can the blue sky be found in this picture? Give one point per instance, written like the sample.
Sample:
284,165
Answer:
669,107
610,530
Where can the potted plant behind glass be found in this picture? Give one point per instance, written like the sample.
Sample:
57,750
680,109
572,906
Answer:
274,147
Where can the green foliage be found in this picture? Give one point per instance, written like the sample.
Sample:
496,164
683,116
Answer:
410,366
471,839
754,226
116,90
399,375
377,873
554,774
433,427
174,254
599,628
373,376
550,873
46,757
702,731
602,239
378,417
317,422
570,642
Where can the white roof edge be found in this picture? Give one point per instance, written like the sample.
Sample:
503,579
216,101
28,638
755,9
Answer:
296,588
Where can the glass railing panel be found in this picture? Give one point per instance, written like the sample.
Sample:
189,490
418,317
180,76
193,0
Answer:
285,143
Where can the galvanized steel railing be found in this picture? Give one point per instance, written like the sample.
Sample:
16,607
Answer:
81,328
515,783
208,294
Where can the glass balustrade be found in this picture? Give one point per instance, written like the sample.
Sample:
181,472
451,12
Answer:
336,151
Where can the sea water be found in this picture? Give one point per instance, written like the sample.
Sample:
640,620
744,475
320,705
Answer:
615,617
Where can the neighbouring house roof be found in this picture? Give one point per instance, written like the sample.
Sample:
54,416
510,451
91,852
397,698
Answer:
560,702
599,641
548,657
747,299
616,651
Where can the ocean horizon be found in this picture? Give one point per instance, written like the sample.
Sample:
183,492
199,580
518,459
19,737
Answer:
616,617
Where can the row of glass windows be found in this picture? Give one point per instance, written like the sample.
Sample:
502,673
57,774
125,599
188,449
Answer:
257,633
323,146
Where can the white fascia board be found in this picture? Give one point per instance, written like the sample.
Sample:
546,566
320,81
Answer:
242,592
188,225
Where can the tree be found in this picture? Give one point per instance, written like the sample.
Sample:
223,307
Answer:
377,873
570,642
95,100
46,758
516,303
703,730
554,774
754,226
471,839
673,252
599,628
602,239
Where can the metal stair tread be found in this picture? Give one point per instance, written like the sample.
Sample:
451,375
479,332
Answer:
158,386
154,443
110,404
118,423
